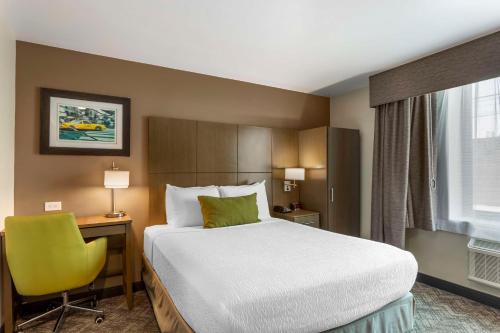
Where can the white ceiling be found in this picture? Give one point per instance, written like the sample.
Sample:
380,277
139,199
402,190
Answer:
321,46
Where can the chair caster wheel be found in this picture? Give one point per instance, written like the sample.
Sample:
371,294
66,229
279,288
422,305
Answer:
99,319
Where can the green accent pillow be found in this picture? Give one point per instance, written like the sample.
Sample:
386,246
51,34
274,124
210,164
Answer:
225,212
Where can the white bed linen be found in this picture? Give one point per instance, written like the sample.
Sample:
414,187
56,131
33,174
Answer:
275,276
182,207
151,232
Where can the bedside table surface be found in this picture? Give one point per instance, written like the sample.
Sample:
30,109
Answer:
298,213
302,216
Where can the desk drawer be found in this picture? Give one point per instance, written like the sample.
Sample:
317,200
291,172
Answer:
103,231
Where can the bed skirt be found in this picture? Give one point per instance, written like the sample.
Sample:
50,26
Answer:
168,318
395,317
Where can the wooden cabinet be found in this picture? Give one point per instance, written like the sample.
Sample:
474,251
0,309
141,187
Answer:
331,157
343,181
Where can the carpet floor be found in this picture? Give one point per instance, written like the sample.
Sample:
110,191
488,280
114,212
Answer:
437,312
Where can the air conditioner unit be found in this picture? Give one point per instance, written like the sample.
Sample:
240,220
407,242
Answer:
484,261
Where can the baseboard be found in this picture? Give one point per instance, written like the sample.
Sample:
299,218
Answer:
31,308
456,289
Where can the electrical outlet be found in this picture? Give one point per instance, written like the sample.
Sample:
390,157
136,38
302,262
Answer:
287,186
53,205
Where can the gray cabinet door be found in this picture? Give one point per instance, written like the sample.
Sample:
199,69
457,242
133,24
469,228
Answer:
344,181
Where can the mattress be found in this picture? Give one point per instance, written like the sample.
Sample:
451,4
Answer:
275,276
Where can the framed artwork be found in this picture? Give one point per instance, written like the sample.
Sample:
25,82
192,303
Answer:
75,123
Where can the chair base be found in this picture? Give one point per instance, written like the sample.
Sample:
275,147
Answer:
64,309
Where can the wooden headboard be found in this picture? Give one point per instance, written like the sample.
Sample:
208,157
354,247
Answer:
197,153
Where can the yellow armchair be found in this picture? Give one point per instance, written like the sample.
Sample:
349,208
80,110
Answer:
47,254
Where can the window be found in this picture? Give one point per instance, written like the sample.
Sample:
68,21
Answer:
486,115
468,167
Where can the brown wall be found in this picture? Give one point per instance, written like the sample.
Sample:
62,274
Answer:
77,181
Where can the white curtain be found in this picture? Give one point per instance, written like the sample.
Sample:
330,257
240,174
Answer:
468,170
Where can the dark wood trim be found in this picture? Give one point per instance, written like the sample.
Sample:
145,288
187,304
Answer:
343,179
467,63
456,289
46,93
28,309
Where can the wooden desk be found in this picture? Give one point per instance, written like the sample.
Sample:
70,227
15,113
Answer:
90,226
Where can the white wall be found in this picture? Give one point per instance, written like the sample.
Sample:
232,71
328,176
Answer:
439,254
353,111
7,98
444,255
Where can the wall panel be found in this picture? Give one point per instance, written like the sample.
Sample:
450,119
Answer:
218,178
285,154
285,148
254,149
280,197
217,147
172,145
312,148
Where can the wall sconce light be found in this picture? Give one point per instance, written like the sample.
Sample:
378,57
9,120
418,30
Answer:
115,178
291,175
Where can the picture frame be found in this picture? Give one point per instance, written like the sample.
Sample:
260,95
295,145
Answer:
77,123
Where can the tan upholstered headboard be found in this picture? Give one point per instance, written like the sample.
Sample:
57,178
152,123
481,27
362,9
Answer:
197,153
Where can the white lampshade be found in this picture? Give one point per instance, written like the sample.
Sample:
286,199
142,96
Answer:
116,179
295,173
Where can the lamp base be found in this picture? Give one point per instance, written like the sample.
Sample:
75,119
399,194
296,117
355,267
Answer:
116,214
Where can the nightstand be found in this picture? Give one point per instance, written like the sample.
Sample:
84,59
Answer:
305,217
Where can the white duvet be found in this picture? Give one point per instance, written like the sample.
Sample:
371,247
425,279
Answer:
275,276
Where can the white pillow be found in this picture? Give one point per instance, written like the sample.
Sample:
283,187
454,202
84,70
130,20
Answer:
259,188
182,206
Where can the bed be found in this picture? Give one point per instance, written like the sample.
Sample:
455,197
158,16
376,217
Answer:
276,276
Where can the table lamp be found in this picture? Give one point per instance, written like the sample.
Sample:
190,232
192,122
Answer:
113,179
293,174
